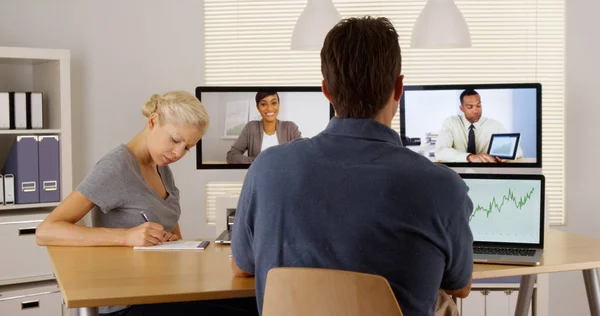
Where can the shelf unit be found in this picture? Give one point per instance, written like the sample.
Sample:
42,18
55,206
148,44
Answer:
30,131
28,267
28,206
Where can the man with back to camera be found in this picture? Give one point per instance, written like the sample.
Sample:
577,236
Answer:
353,198
466,137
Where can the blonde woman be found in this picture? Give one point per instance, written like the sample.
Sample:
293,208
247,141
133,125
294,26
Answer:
130,178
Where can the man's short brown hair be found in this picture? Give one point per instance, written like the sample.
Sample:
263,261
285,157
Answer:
360,62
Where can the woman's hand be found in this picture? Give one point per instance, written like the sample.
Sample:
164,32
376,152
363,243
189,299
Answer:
147,234
171,237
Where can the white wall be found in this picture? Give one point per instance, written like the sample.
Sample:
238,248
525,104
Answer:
567,292
122,53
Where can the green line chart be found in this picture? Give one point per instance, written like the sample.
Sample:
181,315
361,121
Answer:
505,210
510,198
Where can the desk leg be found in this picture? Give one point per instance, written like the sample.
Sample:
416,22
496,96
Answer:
88,311
525,295
592,288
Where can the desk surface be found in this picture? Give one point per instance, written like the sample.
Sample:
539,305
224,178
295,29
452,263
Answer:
562,252
427,148
99,276
104,276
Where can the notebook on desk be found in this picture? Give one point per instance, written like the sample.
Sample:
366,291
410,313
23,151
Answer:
508,217
176,245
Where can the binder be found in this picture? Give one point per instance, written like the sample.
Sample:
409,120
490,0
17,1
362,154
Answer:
1,190
9,189
18,110
49,165
22,162
34,111
4,110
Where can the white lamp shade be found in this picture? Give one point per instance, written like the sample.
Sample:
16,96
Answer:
318,17
440,25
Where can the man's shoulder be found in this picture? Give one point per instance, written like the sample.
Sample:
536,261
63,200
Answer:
445,176
438,174
454,119
490,121
283,153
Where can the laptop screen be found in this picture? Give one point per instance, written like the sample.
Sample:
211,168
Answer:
506,210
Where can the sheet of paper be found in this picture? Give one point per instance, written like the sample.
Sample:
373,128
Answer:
176,245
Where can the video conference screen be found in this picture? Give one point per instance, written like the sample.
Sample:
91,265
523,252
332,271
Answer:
244,121
474,125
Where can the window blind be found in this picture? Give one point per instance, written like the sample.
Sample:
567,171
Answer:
216,189
513,41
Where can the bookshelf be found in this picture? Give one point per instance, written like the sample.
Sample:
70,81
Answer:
27,271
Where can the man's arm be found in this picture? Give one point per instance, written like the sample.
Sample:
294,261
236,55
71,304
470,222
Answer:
461,293
444,146
458,275
239,272
242,234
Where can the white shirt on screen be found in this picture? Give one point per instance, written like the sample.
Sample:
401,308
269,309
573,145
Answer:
451,145
268,141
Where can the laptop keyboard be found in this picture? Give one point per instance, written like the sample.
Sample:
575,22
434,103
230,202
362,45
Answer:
504,251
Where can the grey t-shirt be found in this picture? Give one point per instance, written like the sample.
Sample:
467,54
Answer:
117,188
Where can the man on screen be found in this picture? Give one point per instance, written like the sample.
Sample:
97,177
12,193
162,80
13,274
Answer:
466,137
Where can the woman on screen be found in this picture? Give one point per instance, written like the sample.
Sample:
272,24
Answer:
260,135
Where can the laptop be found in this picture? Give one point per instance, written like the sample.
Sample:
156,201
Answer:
225,236
508,217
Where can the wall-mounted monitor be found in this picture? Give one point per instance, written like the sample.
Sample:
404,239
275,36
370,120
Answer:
241,121
458,125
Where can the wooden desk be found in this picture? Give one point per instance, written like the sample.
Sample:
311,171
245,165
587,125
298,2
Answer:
562,252
426,149
102,276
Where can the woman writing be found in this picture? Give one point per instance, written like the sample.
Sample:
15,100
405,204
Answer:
131,178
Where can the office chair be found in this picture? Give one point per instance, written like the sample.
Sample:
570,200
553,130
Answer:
310,291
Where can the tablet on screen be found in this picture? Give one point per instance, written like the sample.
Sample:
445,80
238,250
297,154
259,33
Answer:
504,146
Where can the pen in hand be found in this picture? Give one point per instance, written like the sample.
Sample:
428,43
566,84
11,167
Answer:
144,216
168,235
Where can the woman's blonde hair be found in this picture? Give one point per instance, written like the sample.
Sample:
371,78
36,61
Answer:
177,107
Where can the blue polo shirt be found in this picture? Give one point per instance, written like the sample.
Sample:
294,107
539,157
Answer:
353,198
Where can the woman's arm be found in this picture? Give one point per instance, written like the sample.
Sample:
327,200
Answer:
177,231
295,131
236,153
59,228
